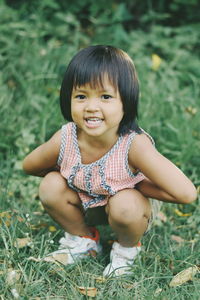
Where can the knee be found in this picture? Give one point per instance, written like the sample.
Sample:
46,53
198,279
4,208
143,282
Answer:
122,214
128,208
51,188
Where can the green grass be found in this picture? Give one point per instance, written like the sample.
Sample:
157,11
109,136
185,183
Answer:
151,274
34,52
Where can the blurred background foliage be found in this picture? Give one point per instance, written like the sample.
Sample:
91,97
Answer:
37,40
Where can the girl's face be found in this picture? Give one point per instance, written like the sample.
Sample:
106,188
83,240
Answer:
97,111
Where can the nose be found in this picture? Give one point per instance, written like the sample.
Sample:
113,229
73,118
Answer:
92,105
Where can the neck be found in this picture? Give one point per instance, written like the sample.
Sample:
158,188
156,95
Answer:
98,142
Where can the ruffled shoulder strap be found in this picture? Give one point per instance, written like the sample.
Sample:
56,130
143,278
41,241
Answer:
65,131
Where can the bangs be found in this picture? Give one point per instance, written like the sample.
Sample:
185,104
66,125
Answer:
93,71
95,81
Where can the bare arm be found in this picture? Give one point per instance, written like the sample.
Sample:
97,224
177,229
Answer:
151,190
164,181
44,158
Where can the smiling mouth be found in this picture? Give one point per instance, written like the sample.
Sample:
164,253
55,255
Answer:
93,121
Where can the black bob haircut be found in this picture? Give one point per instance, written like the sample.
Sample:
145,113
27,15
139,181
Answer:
90,65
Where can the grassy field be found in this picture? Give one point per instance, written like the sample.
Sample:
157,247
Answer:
34,50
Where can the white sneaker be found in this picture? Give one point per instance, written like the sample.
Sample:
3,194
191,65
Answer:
73,248
121,259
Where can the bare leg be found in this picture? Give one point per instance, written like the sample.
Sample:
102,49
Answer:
63,204
128,215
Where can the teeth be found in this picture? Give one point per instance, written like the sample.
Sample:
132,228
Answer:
93,120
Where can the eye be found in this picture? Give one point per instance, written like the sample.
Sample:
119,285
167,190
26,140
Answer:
80,97
106,97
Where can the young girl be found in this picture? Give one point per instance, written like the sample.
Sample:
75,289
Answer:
101,165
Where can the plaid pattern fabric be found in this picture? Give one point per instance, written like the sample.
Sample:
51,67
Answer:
97,181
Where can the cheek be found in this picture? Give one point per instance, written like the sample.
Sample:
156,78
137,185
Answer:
117,113
76,111
73,111
74,108
121,110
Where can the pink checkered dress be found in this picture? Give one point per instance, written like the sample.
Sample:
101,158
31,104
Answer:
97,181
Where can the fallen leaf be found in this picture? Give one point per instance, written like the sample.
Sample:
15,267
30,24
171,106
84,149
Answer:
13,276
37,213
177,239
157,292
34,259
129,286
38,226
55,258
8,223
191,110
10,193
88,291
60,257
100,279
192,241
181,214
184,276
5,214
49,259
20,219
156,62
22,242
52,228
56,270
171,265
